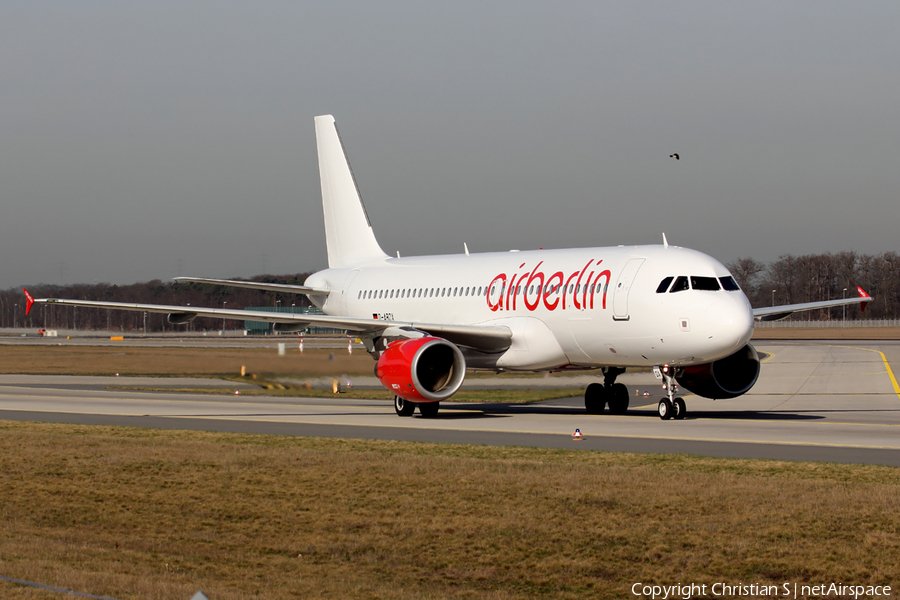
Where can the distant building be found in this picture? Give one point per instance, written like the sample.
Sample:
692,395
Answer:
263,328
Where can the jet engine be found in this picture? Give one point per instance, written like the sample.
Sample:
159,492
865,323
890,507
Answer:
725,378
426,369
181,318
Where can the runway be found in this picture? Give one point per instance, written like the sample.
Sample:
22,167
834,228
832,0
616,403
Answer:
820,401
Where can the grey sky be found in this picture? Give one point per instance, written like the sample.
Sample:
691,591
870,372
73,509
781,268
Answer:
147,140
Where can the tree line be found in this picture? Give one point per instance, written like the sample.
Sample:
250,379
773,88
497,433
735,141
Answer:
814,277
50,316
788,280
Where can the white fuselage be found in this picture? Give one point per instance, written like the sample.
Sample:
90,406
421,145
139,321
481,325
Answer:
572,308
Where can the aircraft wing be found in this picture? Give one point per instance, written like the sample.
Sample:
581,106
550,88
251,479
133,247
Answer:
775,313
255,285
486,338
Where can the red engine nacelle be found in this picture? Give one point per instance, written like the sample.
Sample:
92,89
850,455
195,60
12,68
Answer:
725,378
425,369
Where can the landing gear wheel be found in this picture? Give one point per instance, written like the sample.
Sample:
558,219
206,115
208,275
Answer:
594,399
665,409
429,410
680,409
618,401
404,408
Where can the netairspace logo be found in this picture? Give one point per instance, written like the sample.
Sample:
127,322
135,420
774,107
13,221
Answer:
757,590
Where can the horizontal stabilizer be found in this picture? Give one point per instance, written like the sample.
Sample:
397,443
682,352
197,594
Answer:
285,288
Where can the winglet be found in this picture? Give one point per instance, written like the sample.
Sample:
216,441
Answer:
862,294
29,301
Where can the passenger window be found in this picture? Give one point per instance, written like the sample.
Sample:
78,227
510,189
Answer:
709,284
729,284
680,285
664,285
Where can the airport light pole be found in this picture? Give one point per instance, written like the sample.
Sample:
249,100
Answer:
224,302
16,316
773,297
844,295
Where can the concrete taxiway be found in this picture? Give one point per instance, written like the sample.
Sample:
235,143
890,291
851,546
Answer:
822,401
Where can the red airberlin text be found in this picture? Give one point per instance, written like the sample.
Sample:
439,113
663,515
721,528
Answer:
532,288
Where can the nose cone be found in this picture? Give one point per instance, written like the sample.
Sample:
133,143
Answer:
731,320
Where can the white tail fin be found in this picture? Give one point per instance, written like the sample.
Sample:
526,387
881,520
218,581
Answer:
348,232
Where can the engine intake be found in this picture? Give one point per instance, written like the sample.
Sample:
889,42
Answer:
725,378
427,369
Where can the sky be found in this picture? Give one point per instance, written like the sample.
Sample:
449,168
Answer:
147,140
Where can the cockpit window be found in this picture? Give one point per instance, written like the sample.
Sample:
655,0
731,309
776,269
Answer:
680,285
664,285
729,284
709,284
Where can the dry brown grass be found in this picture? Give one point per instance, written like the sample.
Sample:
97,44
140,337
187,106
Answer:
134,513
125,360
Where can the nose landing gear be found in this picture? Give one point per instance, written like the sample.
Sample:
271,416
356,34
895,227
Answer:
670,407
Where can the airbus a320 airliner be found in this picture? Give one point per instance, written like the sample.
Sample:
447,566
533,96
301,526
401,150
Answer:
427,319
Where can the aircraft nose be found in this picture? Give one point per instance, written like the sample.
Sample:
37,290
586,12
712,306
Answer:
733,323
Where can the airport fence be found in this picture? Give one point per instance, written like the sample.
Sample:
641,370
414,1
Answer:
834,324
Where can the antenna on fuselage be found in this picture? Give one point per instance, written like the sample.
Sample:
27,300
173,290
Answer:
466,248
665,241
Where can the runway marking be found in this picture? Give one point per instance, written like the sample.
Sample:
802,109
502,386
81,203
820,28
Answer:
887,366
414,424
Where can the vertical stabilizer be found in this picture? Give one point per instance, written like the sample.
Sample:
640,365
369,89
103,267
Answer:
348,233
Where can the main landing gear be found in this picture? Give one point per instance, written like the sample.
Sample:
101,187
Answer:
609,393
405,408
670,407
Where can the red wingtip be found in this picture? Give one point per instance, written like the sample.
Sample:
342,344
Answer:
29,301
862,294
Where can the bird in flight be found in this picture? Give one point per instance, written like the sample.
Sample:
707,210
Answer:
675,156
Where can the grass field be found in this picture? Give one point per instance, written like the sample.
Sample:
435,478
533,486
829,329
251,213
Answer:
132,513
138,513
504,396
173,361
